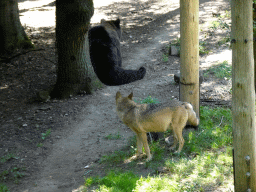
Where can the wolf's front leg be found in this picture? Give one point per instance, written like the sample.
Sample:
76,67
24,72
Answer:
139,144
146,147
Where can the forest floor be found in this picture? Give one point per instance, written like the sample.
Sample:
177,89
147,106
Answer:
45,146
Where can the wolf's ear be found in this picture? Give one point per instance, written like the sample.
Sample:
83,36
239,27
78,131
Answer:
118,94
130,96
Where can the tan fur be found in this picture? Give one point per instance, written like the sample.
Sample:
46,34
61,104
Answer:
143,118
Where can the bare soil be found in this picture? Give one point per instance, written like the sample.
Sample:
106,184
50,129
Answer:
79,125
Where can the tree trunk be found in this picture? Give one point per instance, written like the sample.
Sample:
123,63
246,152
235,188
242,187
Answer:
75,72
189,56
254,42
12,33
243,96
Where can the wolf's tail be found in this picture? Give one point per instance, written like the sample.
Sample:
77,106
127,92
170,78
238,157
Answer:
192,118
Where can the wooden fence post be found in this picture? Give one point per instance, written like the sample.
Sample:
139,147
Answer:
243,96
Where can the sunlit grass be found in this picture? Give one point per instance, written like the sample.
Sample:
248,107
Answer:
222,70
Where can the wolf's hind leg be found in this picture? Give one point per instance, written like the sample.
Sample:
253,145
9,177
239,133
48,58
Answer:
175,142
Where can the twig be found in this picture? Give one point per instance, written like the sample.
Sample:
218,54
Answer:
220,121
7,60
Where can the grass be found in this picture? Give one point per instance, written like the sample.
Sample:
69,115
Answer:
165,58
205,162
220,24
7,157
148,100
223,41
4,188
13,174
222,70
113,136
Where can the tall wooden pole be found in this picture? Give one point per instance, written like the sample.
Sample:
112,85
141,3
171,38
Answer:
189,56
243,96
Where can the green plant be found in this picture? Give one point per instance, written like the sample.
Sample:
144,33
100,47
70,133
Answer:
14,173
224,41
220,71
165,58
44,135
202,48
4,175
148,100
220,24
4,188
7,157
40,145
113,137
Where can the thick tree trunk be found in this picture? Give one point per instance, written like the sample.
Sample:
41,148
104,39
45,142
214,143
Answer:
75,72
12,33
243,96
189,56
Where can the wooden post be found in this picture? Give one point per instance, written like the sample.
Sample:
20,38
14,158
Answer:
243,96
189,56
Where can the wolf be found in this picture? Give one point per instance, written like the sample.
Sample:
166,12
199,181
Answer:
143,118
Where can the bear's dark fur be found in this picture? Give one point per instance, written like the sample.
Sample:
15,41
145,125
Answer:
106,57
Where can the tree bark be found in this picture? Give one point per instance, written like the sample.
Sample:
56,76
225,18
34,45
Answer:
12,33
189,55
74,72
254,42
243,96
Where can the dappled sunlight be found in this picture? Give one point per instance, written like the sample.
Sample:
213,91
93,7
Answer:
220,56
133,12
37,13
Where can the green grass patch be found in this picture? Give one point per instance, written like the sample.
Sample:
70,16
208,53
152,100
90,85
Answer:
114,181
214,132
223,41
220,71
205,162
119,156
147,100
13,174
202,48
7,157
165,58
4,188
220,24
113,136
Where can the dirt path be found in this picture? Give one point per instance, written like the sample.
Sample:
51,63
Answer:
82,143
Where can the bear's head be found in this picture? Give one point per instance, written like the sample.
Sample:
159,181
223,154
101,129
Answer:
112,26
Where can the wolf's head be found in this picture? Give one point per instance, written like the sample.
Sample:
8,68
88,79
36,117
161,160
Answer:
123,104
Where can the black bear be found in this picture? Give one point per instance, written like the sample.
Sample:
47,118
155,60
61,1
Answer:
106,57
